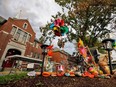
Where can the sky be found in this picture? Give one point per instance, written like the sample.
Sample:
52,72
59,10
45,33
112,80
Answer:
38,12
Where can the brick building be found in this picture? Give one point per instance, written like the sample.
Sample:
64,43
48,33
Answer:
17,37
61,57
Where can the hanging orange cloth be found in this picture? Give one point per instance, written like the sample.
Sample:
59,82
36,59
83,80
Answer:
50,53
50,47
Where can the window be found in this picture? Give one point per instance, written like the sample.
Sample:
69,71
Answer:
24,37
34,44
31,54
34,55
29,37
25,25
38,56
13,30
17,35
21,36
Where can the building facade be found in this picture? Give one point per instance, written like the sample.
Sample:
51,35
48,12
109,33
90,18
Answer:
60,57
17,38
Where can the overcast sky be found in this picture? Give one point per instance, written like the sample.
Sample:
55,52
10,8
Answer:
38,12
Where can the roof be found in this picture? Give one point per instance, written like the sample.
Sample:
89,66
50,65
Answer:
24,58
62,51
36,40
19,19
114,61
109,39
20,23
2,20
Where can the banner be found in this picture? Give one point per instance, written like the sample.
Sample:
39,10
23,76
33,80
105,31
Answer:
81,48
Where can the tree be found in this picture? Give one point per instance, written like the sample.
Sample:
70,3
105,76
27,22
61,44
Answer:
88,18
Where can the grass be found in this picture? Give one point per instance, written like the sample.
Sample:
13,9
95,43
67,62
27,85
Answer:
8,78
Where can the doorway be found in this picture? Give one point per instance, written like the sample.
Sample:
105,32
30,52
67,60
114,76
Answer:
10,52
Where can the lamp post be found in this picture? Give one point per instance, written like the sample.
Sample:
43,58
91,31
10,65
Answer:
44,52
107,43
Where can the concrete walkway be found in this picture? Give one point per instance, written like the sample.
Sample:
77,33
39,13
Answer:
4,73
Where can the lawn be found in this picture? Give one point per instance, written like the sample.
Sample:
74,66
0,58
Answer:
5,79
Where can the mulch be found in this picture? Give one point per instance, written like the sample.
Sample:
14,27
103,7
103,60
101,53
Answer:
40,81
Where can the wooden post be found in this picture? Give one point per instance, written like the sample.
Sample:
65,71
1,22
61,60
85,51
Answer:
91,55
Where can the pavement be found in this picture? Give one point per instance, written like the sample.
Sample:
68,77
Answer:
2,73
6,72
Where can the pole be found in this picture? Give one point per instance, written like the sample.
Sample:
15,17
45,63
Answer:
91,56
110,64
44,53
42,68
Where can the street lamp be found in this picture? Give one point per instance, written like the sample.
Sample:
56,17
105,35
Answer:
108,45
44,52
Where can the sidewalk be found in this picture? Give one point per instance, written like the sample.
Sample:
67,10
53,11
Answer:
4,73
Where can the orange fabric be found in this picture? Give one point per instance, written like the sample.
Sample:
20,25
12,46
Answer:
50,47
50,53
46,74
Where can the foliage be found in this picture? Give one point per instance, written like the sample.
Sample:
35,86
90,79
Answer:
88,18
8,78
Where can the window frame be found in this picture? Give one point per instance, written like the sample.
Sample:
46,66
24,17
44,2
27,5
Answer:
25,25
13,32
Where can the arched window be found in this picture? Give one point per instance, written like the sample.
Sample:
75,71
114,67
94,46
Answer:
25,25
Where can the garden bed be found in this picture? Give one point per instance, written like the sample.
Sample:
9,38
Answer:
40,81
